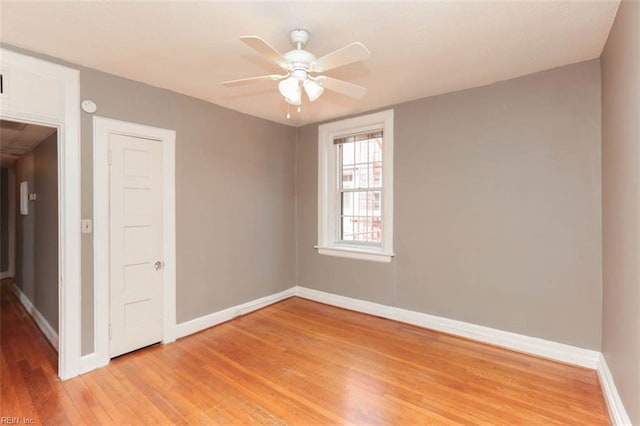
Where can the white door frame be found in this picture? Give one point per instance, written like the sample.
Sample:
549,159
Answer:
102,127
66,118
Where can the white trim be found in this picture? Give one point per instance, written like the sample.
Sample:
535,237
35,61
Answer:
518,342
356,254
169,236
6,274
617,412
67,121
12,222
37,316
102,127
89,363
202,323
328,235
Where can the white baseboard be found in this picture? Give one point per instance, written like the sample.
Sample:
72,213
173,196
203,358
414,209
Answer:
40,320
531,345
6,274
617,412
199,324
506,339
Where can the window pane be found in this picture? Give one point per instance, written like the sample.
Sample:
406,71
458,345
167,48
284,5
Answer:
347,203
347,153
375,180
375,150
362,228
360,203
361,175
376,197
348,177
376,229
347,228
361,216
362,151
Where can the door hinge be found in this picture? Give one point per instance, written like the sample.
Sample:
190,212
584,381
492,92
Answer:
109,331
110,157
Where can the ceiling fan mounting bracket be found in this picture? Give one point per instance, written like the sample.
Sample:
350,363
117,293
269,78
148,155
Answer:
299,38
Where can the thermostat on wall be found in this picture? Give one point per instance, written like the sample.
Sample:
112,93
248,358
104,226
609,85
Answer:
89,106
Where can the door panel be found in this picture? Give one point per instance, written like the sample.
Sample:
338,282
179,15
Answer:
136,243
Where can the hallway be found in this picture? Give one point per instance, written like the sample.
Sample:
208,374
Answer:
28,371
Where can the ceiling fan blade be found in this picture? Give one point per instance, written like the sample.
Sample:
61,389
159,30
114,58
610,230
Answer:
340,86
271,77
351,53
265,49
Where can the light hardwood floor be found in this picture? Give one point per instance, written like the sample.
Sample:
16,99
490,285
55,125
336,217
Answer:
296,362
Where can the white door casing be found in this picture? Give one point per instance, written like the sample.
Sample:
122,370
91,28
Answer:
40,92
104,130
10,272
136,253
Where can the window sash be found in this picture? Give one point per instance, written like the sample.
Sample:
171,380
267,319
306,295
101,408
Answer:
339,143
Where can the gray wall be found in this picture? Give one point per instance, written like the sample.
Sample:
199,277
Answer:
497,209
25,229
4,220
234,193
37,233
497,216
620,210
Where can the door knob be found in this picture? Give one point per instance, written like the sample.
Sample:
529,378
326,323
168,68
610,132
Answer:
157,265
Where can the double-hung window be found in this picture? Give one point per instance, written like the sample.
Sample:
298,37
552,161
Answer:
355,187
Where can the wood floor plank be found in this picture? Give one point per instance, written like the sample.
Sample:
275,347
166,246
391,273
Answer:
461,395
90,410
486,373
296,362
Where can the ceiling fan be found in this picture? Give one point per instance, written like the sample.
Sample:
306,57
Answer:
300,64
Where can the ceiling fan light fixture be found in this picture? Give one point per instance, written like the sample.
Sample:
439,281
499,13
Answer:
313,89
290,89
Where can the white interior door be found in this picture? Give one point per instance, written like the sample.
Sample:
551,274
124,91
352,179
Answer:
136,251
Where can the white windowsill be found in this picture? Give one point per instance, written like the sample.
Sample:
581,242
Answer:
356,253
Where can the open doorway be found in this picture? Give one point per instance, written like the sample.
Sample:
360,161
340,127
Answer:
29,232
44,93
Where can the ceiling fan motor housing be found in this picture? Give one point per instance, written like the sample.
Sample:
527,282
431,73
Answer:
299,63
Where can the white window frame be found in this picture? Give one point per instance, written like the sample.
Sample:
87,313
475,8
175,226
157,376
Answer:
328,188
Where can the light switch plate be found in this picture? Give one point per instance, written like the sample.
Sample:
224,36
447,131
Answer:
87,226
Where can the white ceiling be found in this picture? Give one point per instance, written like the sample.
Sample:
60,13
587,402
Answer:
17,139
418,49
